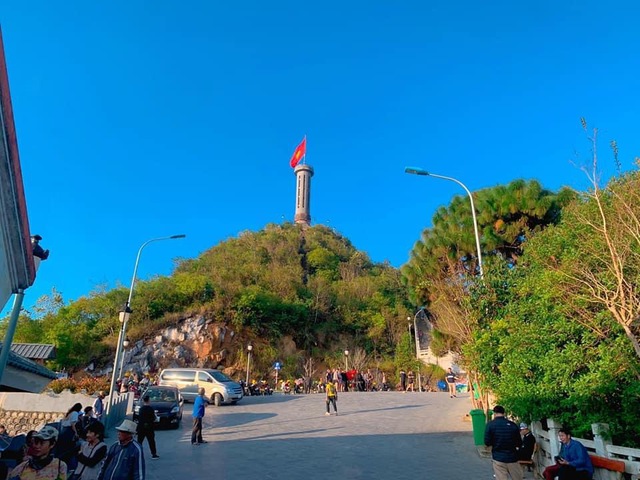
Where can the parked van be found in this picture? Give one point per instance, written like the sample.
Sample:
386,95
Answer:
218,388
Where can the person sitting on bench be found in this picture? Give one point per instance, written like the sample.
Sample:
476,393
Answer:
573,463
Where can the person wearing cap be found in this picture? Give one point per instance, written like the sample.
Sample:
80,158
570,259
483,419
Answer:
41,465
525,452
503,436
125,459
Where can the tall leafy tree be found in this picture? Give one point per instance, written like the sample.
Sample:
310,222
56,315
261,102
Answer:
537,355
444,262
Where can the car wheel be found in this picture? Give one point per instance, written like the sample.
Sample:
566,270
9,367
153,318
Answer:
217,399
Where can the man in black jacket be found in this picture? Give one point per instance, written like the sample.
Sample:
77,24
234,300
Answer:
146,421
503,436
528,443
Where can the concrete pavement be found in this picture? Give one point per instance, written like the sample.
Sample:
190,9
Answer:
376,435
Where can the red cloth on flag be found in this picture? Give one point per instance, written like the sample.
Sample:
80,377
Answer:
301,151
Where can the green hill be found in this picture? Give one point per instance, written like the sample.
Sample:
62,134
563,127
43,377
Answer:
307,285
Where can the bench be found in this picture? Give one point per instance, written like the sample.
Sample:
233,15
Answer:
613,468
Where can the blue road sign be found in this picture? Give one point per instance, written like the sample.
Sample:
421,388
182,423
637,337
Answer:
276,366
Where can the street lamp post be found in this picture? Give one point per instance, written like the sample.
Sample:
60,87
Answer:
421,171
415,331
124,318
249,348
125,344
346,356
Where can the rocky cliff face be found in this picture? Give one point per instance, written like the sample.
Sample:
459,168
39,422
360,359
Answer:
196,342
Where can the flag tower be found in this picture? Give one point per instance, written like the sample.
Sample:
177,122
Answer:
303,173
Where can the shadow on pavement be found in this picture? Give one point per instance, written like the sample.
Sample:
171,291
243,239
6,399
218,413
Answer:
236,419
442,456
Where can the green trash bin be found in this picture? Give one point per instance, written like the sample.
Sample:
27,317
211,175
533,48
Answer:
479,422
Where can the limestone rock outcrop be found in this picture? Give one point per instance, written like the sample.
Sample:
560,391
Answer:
196,342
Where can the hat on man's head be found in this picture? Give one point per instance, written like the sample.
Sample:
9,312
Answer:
523,426
127,426
498,409
47,433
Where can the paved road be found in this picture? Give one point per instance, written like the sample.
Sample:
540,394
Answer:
378,435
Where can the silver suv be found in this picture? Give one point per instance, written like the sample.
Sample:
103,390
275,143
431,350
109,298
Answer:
218,388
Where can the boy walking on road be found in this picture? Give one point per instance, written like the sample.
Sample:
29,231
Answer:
332,397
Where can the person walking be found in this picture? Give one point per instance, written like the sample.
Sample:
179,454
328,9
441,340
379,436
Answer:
98,406
199,405
403,380
67,445
503,436
146,426
125,459
345,380
411,378
332,398
451,378
92,453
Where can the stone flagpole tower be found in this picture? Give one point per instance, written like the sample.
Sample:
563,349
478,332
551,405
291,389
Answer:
303,194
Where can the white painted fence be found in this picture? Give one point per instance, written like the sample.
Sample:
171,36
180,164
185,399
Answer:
549,447
118,410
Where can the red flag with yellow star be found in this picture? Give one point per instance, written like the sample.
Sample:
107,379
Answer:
301,151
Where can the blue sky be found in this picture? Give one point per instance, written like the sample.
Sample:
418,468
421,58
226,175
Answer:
143,119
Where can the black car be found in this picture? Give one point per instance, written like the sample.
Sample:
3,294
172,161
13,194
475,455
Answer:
167,403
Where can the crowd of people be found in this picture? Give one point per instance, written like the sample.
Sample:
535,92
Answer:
135,383
74,448
351,380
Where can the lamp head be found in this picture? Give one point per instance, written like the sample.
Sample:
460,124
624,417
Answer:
346,353
182,235
249,347
416,171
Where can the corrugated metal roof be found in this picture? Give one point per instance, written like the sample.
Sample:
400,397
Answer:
37,351
22,363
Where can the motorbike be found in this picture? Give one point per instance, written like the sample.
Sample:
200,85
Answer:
265,389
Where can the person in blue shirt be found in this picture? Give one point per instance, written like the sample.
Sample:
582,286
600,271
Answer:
199,405
574,461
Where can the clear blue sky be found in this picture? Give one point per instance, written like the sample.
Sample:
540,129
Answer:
142,119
